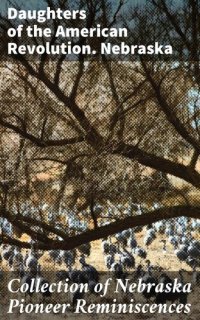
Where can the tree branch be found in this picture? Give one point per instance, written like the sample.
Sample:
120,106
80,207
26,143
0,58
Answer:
18,220
93,136
40,143
150,160
164,213
170,114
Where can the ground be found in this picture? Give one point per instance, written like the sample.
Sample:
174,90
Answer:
167,260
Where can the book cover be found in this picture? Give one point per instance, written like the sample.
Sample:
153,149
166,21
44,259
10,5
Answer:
99,154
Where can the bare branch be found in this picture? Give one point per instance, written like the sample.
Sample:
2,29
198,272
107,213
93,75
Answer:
170,114
37,141
159,163
164,213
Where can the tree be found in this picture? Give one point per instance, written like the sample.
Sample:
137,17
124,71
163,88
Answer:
92,139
